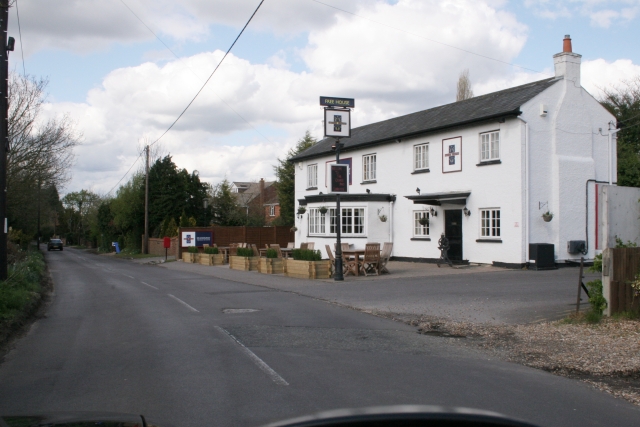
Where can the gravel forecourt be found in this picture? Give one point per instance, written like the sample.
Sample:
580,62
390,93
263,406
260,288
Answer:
605,355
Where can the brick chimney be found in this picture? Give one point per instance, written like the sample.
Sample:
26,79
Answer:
567,63
262,197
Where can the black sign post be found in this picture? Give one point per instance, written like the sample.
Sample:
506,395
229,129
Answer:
337,124
339,181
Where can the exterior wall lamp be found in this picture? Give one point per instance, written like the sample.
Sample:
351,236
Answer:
466,211
433,212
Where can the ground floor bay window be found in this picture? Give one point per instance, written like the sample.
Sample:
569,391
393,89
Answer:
352,221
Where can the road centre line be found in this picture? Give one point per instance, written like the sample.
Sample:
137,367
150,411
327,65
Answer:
183,303
151,286
255,359
128,276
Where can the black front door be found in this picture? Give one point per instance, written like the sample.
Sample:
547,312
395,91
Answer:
453,232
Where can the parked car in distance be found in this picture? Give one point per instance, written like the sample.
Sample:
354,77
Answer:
54,244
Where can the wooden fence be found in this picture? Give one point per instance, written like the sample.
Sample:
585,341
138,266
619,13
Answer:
619,267
260,236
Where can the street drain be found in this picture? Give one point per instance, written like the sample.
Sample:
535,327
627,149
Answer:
238,310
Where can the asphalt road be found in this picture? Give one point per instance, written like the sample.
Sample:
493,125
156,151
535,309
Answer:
172,345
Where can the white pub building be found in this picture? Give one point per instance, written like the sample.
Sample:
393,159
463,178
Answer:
482,171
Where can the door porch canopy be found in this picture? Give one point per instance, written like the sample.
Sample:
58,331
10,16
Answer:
437,199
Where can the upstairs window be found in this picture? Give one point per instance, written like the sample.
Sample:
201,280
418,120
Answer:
312,176
420,157
272,210
369,167
489,146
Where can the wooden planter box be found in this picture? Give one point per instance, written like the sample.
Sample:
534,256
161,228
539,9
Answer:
189,257
308,269
271,265
211,259
243,263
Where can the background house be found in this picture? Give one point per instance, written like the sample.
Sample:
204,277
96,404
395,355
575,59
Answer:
257,199
482,171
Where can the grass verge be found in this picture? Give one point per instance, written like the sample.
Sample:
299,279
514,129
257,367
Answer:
22,293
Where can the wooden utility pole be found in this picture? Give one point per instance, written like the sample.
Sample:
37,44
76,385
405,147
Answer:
145,245
4,133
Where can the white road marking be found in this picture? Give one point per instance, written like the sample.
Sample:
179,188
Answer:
261,364
151,286
128,276
183,303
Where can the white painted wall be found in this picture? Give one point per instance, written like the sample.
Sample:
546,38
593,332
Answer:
567,151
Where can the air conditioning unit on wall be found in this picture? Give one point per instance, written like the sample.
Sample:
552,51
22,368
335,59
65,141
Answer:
576,246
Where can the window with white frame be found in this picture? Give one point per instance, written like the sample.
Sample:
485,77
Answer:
489,146
490,223
312,176
420,223
369,167
316,221
272,210
352,221
421,157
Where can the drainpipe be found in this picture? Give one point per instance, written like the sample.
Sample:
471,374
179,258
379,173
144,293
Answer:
391,218
610,138
526,189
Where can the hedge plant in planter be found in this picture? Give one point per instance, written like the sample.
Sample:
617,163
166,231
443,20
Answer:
191,255
271,264
243,260
307,264
211,256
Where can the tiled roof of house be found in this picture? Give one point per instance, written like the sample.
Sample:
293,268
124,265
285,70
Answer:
493,105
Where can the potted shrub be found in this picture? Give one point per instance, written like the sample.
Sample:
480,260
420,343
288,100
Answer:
547,216
323,210
191,255
211,256
307,264
244,260
294,228
271,264
383,218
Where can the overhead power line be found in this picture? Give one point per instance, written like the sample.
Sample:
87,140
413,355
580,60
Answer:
211,75
177,57
24,71
427,38
196,95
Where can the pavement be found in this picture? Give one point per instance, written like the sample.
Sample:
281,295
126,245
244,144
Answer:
472,293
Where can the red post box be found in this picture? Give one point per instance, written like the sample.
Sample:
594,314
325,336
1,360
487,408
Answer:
167,243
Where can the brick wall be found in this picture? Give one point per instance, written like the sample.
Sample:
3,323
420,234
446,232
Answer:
156,247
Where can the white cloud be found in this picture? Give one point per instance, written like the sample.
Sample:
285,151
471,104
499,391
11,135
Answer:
389,72
600,74
601,13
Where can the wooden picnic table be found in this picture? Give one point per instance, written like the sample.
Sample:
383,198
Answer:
356,254
224,250
286,252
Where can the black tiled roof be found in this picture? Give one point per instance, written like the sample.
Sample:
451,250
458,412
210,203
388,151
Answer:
493,105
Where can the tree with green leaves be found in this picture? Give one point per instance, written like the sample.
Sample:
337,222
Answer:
286,180
226,211
624,103
173,191
80,207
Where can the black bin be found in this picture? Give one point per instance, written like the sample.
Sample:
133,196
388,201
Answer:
542,256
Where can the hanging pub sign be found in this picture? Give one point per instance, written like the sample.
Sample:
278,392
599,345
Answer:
452,154
337,123
339,179
332,101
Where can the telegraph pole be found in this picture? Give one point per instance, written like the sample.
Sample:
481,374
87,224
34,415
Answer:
4,132
145,246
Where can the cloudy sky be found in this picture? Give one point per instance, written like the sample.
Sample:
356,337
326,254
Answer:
123,85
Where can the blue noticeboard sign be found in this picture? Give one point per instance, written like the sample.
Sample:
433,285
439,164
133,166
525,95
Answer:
204,238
